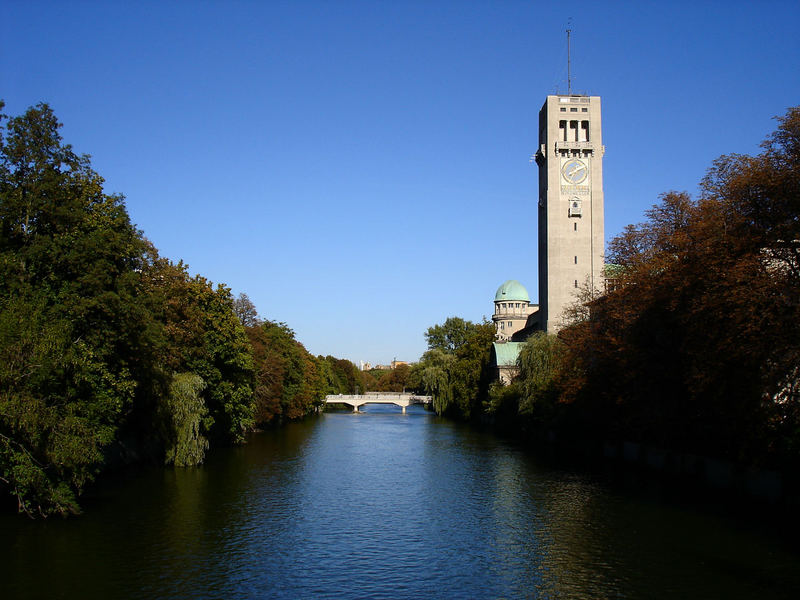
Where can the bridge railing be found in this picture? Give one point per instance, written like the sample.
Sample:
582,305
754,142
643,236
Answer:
378,397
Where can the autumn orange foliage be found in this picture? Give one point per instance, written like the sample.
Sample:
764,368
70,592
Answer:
698,347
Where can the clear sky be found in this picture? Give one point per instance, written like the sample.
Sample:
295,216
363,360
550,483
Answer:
361,169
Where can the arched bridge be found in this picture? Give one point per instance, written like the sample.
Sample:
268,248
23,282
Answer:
401,399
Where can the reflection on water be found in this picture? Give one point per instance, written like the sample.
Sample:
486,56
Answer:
383,505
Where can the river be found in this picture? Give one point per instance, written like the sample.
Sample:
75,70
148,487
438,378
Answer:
386,505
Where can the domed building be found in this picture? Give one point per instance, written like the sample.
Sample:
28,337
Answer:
515,319
512,310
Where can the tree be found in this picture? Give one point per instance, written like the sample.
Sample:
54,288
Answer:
454,369
246,311
543,362
203,336
697,348
395,380
342,376
69,268
185,411
435,369
289,384
108,352
450,335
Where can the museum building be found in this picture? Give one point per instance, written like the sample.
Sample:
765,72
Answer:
571,235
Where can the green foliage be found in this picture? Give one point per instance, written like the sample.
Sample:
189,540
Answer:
533,399
469,376
41,440
435,368
341,376
454,369
202,335
450,335
370,379
543,362
395,380
503,402
414,378
289,383
185,410
102,342
71,326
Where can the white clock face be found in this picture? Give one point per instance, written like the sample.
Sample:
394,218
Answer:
574,171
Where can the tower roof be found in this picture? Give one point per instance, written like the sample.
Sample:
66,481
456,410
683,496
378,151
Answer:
512,290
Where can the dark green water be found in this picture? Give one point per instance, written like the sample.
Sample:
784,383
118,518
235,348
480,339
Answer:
385,505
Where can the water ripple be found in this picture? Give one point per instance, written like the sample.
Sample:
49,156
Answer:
382,505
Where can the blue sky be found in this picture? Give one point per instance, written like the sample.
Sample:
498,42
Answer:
361,169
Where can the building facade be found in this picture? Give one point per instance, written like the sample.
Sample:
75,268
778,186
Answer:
512,310
515,318
504,359
571,228
571,212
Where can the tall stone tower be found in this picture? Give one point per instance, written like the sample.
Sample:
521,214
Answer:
571,232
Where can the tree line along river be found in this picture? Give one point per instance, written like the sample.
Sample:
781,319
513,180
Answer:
386,505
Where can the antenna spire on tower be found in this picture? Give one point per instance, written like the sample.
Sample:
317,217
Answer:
569,63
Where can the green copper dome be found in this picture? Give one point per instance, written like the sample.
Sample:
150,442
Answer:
512,290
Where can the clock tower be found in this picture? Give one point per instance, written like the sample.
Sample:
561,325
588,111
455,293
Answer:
571,232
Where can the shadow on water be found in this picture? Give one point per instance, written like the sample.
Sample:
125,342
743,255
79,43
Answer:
385,505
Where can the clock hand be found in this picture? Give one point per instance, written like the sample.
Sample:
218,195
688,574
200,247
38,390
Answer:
573,170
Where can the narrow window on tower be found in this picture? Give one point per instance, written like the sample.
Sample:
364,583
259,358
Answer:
576,283
573,133
584,131
576,260
562,130
576,226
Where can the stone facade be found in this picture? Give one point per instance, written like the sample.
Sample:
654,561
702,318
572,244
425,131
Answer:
515,318
571,228
512,310
571,212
